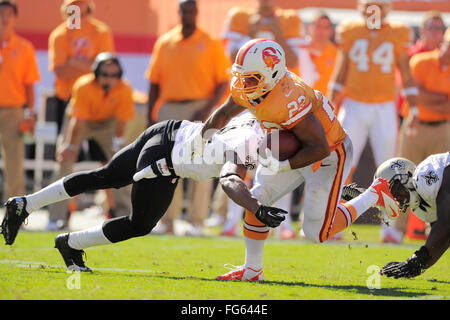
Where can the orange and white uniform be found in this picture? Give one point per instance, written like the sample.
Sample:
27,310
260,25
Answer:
238,26
284,107
289,102
368,109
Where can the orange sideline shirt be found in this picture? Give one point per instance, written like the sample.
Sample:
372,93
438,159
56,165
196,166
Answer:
90,103
373,56
87,42
427,70
187,69
238,20
238,24
324,63
19,69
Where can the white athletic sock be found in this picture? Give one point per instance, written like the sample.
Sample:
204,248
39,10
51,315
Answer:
88,238
254,250
52,193
363,202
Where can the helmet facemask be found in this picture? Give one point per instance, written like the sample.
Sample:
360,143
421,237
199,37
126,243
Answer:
403,190
251,85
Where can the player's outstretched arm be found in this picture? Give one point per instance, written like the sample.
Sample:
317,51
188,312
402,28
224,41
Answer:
232,182
220,117
437,242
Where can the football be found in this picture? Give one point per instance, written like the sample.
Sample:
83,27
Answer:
283,144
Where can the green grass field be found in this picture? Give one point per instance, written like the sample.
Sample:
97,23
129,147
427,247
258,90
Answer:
183,268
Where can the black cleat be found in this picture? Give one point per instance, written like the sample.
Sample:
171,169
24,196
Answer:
73,258
351,191
15,215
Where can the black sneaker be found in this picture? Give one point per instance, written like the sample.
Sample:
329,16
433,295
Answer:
15,215
73,258
351,191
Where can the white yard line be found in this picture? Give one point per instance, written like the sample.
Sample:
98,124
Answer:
39,264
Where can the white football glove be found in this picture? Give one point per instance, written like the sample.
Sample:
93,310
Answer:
148,173
273,164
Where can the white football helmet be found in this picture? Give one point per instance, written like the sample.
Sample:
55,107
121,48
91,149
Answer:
259,65
399,173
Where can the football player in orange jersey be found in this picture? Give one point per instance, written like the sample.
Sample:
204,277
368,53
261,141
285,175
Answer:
285,27
280,100
370,50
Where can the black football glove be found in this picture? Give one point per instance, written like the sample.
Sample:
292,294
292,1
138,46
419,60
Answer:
412,267
270,216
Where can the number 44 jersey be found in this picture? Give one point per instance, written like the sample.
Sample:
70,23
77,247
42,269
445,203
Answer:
373,56
289,102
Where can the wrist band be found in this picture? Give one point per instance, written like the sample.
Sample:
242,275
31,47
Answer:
411,91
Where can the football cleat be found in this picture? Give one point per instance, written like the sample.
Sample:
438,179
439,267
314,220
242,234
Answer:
72,258
351,191
15,215
386,201
241,273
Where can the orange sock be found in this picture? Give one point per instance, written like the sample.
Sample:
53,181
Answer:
344,216
253,228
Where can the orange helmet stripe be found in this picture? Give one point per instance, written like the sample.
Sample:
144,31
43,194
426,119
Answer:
244,49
